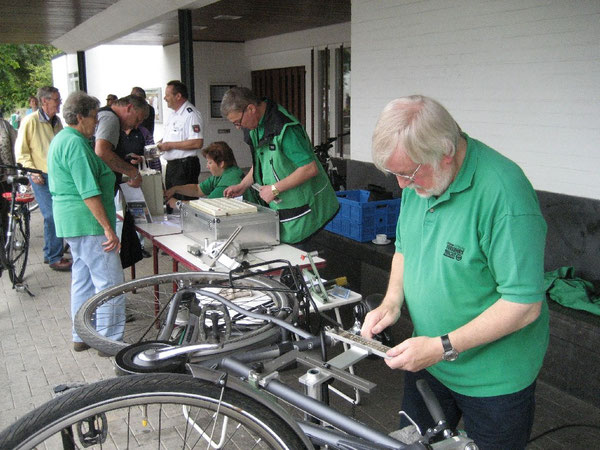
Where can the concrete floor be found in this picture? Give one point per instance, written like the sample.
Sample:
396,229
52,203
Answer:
36,355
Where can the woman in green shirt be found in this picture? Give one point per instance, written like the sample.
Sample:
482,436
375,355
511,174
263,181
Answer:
224,173
82,188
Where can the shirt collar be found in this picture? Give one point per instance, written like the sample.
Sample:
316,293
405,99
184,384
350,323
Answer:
182,108
45,119
464,177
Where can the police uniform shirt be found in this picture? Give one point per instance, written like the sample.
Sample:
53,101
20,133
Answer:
185,123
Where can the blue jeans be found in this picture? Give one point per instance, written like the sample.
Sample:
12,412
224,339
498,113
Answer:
53,245
500,422
93,271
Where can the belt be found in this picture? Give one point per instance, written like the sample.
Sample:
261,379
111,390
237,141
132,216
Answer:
181,160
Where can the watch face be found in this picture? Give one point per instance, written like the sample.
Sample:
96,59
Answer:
450,355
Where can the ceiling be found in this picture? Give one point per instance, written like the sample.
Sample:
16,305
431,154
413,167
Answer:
44,21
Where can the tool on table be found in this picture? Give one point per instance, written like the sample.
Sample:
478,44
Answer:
313,279
225,245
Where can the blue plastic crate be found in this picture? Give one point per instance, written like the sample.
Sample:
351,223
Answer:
361,220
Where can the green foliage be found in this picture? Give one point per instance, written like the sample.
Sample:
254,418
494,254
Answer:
23,69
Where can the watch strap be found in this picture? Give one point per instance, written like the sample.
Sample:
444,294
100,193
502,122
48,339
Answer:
446,343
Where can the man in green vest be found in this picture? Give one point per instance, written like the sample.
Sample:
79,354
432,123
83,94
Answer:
289,177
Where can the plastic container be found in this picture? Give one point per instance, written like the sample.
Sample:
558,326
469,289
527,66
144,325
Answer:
361,220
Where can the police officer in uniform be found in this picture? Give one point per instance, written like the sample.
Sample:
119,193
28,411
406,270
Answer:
182,139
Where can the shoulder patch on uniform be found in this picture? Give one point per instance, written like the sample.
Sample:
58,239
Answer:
196,128
189,109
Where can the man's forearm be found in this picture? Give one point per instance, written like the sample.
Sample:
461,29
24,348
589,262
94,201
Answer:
499,320
190,144
395,289
117,164
298,177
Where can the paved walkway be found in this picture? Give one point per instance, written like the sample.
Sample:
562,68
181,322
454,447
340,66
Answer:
36,354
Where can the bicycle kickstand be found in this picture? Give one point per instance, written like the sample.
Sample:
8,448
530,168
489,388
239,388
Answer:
22,287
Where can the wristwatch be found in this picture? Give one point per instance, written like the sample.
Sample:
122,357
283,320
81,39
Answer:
450,353
274,190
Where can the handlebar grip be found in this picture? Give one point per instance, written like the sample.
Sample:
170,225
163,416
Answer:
17,180
431,401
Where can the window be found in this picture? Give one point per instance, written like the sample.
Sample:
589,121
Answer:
217,91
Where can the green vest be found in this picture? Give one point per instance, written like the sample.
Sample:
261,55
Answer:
308,207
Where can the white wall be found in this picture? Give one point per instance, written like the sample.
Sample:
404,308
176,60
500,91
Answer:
521,75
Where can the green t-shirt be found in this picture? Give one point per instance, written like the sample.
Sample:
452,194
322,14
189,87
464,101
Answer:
481,240
213,187
75,173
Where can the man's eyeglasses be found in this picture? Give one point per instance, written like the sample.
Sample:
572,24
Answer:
238,123
411,177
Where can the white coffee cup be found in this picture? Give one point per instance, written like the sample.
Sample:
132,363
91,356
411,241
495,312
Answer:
381,238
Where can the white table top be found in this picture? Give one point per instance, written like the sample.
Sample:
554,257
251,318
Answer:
160,226
177,245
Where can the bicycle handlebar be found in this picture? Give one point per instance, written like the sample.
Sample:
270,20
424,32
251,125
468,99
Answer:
21,168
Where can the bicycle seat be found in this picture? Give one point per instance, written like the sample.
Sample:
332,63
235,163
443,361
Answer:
21,198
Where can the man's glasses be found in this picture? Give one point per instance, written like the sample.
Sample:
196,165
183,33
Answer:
238,123
411,177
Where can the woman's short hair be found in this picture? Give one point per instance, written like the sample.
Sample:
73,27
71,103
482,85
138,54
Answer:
421,125
220,151
237,99
79,103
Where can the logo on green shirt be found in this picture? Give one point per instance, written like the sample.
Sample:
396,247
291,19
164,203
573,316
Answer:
454,251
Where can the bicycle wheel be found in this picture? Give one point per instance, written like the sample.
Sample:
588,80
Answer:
153,411
18,248
154,312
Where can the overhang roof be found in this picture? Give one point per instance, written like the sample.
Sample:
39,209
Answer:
74,25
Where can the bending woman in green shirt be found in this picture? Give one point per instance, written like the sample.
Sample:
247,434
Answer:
224,170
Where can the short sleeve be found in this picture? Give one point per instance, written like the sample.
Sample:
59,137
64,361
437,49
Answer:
516,257
84,177
194,125
108,127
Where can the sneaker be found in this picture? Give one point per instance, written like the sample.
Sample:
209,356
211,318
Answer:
80,346
64,265
103,355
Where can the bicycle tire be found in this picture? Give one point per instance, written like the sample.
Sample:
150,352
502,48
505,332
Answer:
127,403
142,315
18,250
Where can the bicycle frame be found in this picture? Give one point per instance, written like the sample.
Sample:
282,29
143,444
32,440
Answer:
16,209
352,434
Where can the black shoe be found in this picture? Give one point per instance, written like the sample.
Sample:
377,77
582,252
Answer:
80,346
46,261
146,253
103,355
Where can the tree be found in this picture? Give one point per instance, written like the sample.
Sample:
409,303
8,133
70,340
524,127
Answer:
23,69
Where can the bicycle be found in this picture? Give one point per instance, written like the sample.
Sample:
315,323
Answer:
219,403
322,151
14,240
157,308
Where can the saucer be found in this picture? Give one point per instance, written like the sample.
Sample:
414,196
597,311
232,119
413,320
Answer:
386,242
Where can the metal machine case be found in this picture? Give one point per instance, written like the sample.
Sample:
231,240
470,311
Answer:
260,229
